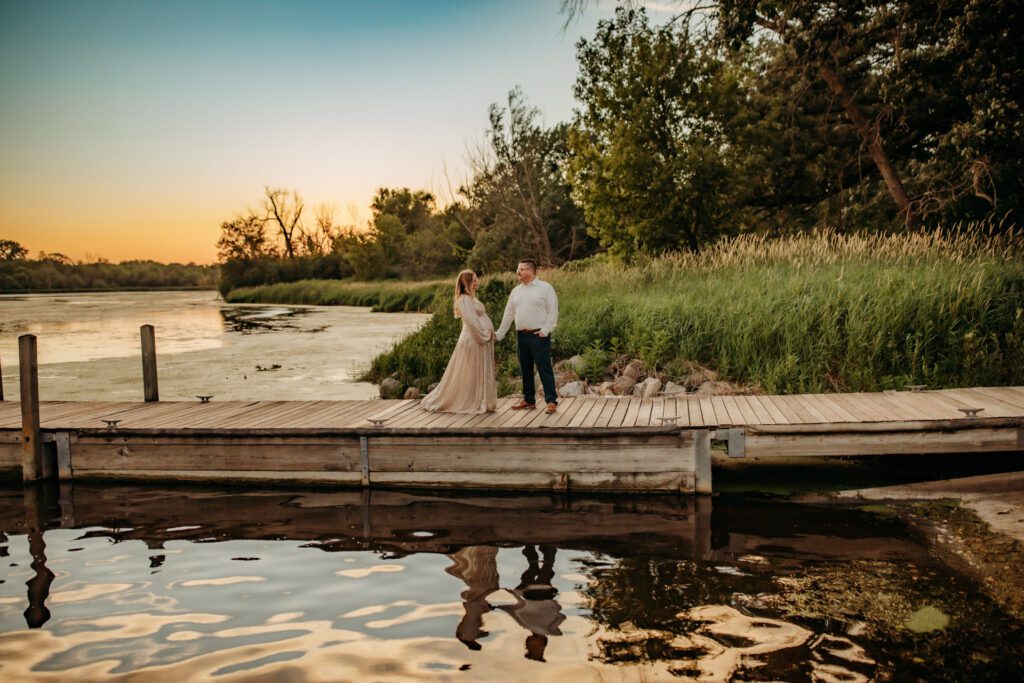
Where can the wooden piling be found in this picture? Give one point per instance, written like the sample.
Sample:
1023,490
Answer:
149,378
31,443
1,382
702,474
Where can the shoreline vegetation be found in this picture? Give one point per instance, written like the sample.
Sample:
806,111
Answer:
814,312
110,290
386,296
56,273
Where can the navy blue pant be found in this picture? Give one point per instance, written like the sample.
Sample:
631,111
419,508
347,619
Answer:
534,351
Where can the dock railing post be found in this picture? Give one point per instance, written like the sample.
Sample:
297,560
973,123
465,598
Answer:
31,443
149,383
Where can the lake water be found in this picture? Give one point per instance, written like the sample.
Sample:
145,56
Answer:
174,584
89,346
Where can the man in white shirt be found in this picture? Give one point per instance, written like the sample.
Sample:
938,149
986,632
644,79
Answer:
533,306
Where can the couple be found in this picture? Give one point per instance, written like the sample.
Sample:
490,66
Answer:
468,385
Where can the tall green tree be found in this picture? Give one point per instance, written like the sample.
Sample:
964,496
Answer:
873,114
653,160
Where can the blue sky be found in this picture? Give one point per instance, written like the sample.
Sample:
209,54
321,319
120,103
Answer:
131,129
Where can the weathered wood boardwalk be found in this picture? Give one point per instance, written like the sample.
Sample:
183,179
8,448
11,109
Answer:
591,443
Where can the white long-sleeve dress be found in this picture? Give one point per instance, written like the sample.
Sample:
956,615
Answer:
468,384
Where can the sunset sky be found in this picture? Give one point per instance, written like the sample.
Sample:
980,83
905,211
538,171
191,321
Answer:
131,129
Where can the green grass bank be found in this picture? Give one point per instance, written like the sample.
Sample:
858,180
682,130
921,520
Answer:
808,313
383,296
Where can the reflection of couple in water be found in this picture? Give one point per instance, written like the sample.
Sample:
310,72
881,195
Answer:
535,608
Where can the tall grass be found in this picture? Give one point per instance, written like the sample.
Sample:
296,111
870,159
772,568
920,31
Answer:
384,296
815,312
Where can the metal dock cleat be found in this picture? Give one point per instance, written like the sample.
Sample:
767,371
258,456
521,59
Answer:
111,424
205,399
970,412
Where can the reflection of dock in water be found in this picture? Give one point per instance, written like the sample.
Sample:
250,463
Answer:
401,523
395,522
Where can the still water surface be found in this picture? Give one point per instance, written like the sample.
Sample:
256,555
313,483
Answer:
174,584
89,346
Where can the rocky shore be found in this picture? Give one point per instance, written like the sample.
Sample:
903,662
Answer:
624,376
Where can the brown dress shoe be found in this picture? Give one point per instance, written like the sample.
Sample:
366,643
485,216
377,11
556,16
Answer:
522,405
552,407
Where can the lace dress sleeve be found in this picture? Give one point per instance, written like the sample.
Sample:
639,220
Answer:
479,328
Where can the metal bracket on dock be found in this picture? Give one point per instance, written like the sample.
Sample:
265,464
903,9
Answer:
364,459
735,440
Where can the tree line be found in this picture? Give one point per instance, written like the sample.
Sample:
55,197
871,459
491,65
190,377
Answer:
57,272
732,116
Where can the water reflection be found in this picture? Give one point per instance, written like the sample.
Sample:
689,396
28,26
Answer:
181,583
39,585
256,319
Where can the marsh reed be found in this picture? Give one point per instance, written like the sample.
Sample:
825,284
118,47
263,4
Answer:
822,311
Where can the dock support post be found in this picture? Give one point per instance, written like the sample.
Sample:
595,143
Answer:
364,460
32,466
149,381
63,442
1,382
702,448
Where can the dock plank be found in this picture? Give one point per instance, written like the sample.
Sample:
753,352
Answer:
694,413
274,416
357,418
1003,394
768,406
500,413
866,409
746,410
803,415
707,411
817,408
589,406
760,415
355,414
901,406
567,408
722,416
253,416
615,421
978,394
842,413
632,411
679,407
643,417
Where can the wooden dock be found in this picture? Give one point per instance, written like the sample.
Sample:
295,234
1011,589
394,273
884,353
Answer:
590,444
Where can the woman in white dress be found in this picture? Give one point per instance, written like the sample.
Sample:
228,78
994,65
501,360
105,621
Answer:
468,384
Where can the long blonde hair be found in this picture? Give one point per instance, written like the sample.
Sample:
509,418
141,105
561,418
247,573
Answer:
462,283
